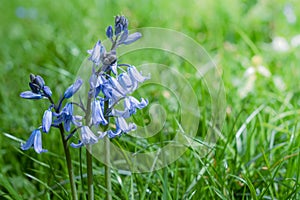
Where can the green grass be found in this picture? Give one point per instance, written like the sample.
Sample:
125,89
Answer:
258,156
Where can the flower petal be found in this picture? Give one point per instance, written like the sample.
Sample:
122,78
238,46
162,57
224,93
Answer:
29,142
47,120
30,95
135,75
109,32
122,124
97,53
80,144
47,91
116,85
132,38
97,113
37,145
34,140
113,134
39,81
87,136
73,89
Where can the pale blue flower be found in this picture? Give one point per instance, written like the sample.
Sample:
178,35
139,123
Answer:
30,95
97,53
47,91
112,134
34,140
116,86
135,75
47,121
126,82
87,137
124,126
73,89
130,106
66,116
128,39
97,83
97,113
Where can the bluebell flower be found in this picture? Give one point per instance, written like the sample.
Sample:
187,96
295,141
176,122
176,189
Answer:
97,83
116,86
131,38
121,127
47,91
73,89
97,113
109,32
130,106
111,94
87,137
123,37
126,82
128,39
112,134
38,88
66,116
36,81
124,126
121,24
34,140
97,53
135,75
30,95
47,120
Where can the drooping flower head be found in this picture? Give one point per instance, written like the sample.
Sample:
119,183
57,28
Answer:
34,140
38,88
47,120
87,137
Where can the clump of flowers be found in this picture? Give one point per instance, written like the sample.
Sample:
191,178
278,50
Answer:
110,86
107,89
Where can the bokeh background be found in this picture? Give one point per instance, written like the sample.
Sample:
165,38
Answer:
255,45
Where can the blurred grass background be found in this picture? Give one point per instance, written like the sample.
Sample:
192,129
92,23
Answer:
50,38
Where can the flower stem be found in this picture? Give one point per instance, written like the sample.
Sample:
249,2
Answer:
107,169
67,152
89,158
89,163
69,163
107,154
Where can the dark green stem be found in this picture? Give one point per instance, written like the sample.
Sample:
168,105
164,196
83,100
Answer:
89,163
69,163
89,158
107,169
67,152
107,155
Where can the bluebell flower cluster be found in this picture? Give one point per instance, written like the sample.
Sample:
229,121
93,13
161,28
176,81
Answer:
109,103
38,88
108,88
52,117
